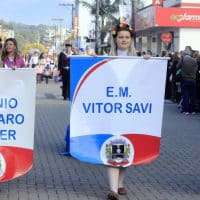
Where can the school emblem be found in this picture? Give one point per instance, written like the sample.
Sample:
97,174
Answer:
117,151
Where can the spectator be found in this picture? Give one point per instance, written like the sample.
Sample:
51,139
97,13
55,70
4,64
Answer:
197,57
10,55
64,68
188,66
34,60
173,71
55,74
40,67
47,73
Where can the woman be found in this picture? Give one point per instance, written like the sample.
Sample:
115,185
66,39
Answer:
122,44
10,55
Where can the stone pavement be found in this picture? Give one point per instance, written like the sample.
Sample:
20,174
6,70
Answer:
175,175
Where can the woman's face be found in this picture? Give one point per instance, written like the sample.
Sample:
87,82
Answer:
123,40
10,47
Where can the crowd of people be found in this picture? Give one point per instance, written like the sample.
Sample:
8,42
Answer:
182,82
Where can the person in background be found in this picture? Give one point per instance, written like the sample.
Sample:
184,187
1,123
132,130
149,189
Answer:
10,55
173,78
168,84
47,73
55,74
122,44
197,57
89,51
34,60
40,67
63,67
189,67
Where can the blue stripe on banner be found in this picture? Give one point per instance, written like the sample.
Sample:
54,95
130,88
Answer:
90,145
80,65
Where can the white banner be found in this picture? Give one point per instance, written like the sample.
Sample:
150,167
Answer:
117,104
125,95
17,115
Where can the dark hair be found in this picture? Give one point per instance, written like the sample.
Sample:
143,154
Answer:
122,27
4,51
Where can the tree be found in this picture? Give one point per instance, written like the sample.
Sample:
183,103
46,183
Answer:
107,12
25,34
31,47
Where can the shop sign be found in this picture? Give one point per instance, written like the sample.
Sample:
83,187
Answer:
166,37
177,17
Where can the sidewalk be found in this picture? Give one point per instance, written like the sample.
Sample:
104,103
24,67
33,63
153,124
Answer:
175,175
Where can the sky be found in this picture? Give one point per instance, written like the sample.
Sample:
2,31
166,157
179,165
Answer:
36,12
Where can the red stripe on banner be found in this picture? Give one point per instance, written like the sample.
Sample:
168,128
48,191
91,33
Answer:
146,148
18,162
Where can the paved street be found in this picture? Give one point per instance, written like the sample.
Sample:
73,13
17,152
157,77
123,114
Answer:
175,175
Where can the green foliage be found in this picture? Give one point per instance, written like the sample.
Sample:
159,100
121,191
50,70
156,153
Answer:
25,34
107,9
27,48
109,13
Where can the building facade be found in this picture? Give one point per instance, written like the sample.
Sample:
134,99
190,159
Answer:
168,25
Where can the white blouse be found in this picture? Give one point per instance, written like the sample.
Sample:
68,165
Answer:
122,52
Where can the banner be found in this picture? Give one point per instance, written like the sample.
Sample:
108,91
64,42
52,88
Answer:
17,114
117,108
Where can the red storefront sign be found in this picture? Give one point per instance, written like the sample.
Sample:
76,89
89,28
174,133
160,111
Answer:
177,17
166,37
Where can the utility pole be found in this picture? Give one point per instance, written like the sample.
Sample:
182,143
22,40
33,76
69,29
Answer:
72,14
56,31
97,28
